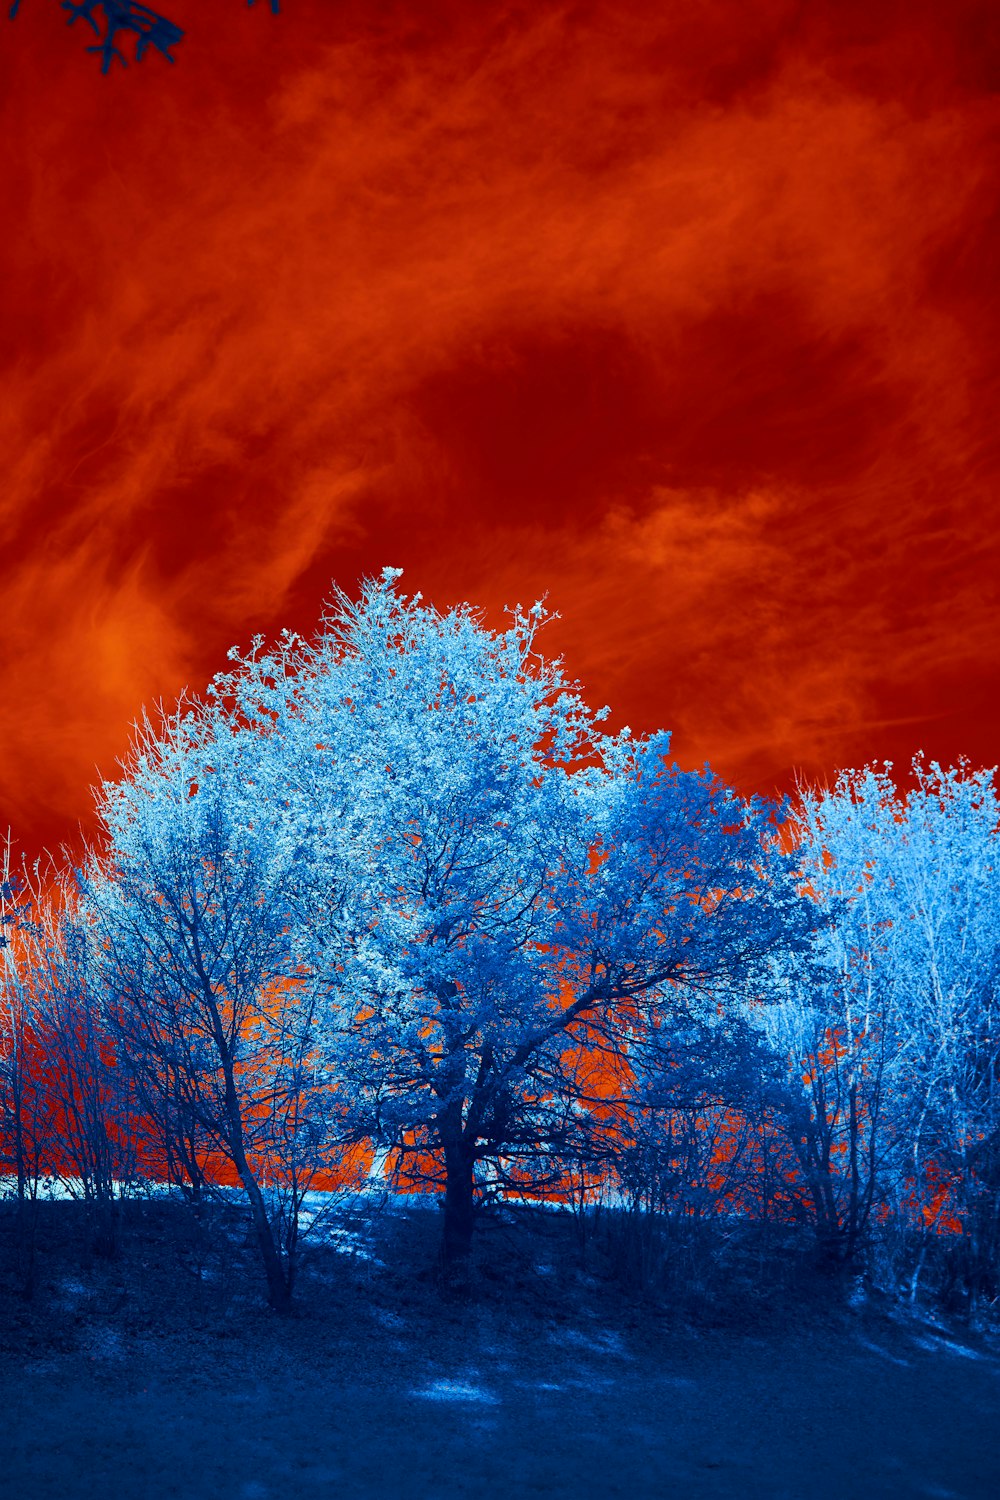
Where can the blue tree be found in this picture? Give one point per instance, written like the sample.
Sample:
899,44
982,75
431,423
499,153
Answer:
515,874
194,910
892,1031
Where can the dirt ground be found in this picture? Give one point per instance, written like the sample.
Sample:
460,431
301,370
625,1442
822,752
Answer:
162,1375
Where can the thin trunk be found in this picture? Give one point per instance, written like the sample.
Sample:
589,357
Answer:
279,1294
854,1223
278,1289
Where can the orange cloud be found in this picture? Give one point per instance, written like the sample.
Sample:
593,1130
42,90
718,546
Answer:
683,316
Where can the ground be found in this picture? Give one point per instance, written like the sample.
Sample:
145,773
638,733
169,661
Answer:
161,1374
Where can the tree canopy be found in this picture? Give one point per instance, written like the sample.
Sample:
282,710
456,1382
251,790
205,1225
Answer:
395,903
417,823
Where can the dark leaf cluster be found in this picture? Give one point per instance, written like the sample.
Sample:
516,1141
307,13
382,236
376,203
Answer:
122,18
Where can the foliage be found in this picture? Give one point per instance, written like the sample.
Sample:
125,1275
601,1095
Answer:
515,874
194,921
394,900
149,28
893,1030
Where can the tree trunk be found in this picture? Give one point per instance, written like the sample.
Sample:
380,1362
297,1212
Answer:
279,1292
459,1207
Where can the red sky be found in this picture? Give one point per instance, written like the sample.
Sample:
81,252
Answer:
684,313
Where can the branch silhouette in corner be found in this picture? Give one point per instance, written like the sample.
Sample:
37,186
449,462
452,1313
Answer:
124,18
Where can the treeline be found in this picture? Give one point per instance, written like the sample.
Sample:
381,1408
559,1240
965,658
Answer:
393,904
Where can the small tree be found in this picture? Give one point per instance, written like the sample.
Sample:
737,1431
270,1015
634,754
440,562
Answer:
891,1033
677,1135
24,1126
193,902
68,1104
938,860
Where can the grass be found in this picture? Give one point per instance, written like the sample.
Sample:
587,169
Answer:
162,1373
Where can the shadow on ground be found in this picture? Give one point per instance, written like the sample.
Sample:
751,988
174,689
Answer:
160,1374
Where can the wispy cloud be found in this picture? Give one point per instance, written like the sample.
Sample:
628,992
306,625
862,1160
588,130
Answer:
688,322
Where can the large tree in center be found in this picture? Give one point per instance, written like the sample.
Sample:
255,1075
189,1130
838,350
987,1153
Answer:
517,875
